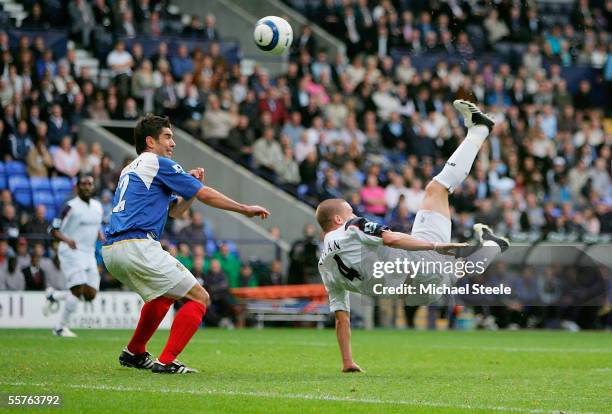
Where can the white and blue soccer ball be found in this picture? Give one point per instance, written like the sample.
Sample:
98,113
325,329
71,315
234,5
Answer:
273,35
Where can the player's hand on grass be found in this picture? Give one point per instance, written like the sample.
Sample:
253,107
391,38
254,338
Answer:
252,211
71,244
448,248
198,174
351,367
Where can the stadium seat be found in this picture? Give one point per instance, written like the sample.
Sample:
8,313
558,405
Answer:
19,183
211,247
61,185
23,197
15,168
60,198
40,183
2,182
2,168
47,198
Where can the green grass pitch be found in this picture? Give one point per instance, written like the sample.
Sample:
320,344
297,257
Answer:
297,370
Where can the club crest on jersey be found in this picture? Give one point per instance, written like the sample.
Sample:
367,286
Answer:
178,169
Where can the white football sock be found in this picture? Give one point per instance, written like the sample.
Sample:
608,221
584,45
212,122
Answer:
485,255
69,308
460,163
61,294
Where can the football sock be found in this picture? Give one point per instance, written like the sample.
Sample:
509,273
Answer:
61,294
151,315
185,325
485,255
459,164
69,308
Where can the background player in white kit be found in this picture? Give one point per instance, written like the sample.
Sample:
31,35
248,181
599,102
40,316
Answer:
77,229
352,244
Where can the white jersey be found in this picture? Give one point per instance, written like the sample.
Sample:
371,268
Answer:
347,261
81,222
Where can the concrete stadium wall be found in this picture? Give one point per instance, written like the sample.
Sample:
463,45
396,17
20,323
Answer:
235,22
253,239
263,8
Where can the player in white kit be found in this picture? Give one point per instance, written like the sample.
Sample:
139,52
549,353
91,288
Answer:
353,246
77,229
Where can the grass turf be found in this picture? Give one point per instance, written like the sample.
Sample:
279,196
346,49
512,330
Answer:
297,370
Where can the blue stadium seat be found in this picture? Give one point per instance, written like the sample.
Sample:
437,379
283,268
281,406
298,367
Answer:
23,197
19,183
211,247
60,198
15,168
2,168
3,183
47,198
40,183
61,185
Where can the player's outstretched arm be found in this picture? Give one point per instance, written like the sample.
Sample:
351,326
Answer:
214,198
404,241
178,208
343,332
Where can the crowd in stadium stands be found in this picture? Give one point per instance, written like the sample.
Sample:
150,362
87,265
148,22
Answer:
373,128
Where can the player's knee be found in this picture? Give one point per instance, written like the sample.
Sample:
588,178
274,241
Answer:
199,294
435,189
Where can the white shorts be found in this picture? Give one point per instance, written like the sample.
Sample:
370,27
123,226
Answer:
147,269
433,227
80,269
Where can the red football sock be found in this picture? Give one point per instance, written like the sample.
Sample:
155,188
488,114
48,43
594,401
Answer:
151,315
186,323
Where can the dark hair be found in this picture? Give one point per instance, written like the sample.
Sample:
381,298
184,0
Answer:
148,126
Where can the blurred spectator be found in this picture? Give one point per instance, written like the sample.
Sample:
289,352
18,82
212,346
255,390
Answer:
34,276
194,234
229,264
66,159
57,126
267,152
223,311
37,226
217,122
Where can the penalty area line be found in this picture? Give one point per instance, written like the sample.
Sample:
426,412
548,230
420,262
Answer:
294,396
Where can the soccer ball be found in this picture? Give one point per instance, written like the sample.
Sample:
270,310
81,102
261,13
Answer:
273,35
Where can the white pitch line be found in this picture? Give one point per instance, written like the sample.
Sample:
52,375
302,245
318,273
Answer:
291,396
333,344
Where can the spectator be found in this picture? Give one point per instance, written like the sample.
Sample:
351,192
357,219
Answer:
51,266
273,277
120,62
373,196
210,28
217,122
9,222
194,233
58,126
166,96
229,264
267,152
181,63
287,170
34,276
39,160
37,227
66,159
222,311
11,278
247,278
20,142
